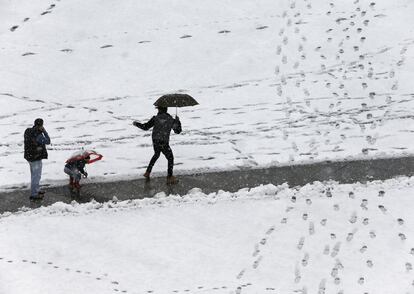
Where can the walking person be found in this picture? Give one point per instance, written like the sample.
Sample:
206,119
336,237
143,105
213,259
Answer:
162,124
35,140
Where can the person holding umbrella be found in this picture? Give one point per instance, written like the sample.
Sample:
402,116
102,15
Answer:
162,124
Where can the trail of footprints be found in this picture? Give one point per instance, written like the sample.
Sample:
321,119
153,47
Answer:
347,36
334,273
338,266
26,19
69,50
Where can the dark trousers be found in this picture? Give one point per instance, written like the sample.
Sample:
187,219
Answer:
163,147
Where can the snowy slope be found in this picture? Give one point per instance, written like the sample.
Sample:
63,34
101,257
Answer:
278,82
321,238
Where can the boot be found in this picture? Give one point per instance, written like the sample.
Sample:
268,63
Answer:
171,180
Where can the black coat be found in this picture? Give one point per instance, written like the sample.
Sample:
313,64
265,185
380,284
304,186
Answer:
35,143
163,123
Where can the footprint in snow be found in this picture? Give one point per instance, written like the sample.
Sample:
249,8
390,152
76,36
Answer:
66,50
13,28
26,19
365,221
400,221
353,218
301,243
363,249
224,32
278,50
185,36
370,263
28,53
336,249
402,236
261,27
408,266
305,260
326,250
240,275
257,262
334,272
46,12
311,228
106,46
144,41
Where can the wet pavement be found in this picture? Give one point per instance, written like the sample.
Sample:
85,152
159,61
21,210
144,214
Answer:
294,175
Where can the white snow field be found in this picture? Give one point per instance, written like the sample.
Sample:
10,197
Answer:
321,238
278,82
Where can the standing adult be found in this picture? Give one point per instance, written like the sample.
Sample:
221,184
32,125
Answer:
35,140
163,123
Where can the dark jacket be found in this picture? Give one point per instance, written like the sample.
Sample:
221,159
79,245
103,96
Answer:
163,123
78,164
35,143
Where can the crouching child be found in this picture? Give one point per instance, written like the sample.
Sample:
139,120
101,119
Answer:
75,169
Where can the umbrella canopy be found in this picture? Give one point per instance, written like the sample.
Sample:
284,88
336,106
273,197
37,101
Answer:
79,155
175,100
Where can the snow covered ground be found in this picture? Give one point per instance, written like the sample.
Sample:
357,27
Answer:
321,238
277,81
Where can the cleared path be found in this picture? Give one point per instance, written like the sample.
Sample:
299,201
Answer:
294,175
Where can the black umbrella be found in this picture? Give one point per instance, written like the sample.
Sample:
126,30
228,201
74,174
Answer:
175,100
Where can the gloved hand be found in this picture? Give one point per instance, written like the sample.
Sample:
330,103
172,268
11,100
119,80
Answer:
135,123
177,118
85,174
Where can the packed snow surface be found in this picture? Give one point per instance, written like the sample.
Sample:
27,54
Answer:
278,82
320,238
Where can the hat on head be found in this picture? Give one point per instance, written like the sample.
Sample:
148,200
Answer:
38,122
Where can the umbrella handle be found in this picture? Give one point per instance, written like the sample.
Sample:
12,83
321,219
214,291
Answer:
176,111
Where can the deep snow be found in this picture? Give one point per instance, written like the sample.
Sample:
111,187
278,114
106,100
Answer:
321,238
278,82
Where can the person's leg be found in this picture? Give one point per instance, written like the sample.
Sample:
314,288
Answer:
36,174
76,178
166,150
157,152
69,172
